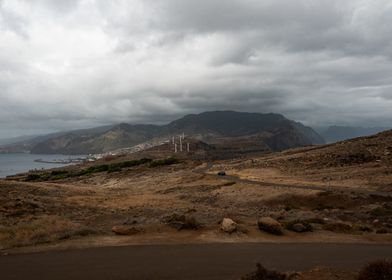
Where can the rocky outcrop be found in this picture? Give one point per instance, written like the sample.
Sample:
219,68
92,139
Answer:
270,225
228,225
181,222
126,230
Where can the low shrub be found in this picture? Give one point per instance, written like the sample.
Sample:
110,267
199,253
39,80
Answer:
181,222
33,177
132,163
263,274
379,270
113,167
384,211
98,168
305,226
338,227
315,220
58,172
383,231
324,200
364,228
163,162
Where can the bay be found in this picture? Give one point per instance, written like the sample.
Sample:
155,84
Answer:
11,164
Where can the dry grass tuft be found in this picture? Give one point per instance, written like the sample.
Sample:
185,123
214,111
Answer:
42,230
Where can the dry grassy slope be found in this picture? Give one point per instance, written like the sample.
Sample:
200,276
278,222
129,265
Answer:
360,162
143,196
371,149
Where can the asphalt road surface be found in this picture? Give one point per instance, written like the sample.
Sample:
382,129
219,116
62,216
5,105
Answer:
194,261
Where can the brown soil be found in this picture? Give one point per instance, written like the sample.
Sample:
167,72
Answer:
354,191
323,273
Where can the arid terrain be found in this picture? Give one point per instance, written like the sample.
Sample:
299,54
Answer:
340,193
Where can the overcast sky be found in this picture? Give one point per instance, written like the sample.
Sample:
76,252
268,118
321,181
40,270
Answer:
81,63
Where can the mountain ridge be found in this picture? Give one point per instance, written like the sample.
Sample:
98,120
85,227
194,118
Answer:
276,131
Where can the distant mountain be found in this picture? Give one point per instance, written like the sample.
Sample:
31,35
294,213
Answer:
269,131
277,132
25,144
228,123
334,134
118,136
16,140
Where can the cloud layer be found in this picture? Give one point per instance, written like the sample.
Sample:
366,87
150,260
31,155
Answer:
78,63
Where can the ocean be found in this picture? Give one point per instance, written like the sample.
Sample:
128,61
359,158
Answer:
11,164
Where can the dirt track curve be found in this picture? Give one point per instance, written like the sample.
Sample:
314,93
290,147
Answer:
204,171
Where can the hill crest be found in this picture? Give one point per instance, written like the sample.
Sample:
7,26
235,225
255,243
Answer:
274,130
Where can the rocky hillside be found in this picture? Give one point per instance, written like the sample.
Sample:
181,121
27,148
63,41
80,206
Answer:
119,136
373,151
273,131
362,163
335,133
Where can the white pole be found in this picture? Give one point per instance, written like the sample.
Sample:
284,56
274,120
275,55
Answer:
187,147
180,144
173,140
175,148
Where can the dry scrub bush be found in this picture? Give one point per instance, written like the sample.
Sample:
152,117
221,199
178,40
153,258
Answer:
181,222
379,270
338,227
323,200
263,274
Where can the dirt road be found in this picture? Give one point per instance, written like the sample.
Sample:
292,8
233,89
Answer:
207,261
204,171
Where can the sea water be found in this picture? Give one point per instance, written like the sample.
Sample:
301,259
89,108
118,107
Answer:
11,164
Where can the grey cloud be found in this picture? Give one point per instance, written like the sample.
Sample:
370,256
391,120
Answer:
215,15
352,27
82,63
12,22
61,7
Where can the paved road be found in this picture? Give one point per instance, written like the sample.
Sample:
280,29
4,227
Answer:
207,261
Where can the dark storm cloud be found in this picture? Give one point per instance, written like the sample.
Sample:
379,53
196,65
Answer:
78,63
